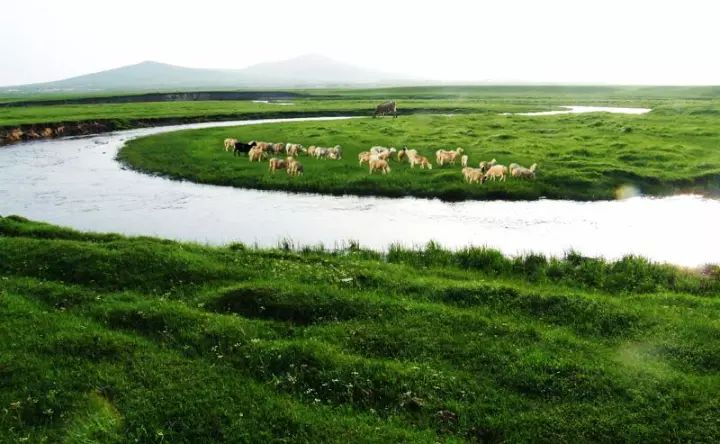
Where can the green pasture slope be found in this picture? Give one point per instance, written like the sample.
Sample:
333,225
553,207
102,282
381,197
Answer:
111,339
675,148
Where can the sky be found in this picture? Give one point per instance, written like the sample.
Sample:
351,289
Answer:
555,41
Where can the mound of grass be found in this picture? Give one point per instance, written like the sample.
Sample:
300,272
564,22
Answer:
115,339
581,157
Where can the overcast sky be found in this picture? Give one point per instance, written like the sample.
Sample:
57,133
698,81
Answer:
581,41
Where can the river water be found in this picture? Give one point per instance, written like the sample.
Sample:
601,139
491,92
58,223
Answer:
77,182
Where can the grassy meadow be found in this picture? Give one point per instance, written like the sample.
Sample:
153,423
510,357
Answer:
114,339
581,157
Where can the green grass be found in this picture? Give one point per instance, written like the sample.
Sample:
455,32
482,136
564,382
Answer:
113,339
227,110
584,157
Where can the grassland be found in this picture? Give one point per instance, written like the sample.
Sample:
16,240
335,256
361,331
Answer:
584,157
113,339
455,99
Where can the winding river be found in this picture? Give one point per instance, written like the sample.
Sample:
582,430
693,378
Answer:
76,182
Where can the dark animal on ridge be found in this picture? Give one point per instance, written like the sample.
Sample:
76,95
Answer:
386,108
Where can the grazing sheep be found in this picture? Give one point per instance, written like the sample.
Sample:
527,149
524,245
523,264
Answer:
402,154
311,151
364,157
444,156
496,171
242,148
385,155
320,152
256,154
472,175
229,144
334,153
293,149
382,149
484,166
263,146
278,148
464,160
294,168
379,165
276,164
423,161
524,173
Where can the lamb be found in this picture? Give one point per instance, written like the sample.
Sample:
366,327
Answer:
443,156
472,175
496,171
294,168
276,164
524,173
464,160
379,165
423,161
256,154
229,144
364,157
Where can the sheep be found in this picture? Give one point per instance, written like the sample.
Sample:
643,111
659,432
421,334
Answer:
484,166
423,161
472,175
262,146
364,157
524,173
276,164
385,155
382,149
464,160
293,149
334,153
379,165
294,168
278,147
320,152
256,154
496,171
311,151
402,154
442,156
230,143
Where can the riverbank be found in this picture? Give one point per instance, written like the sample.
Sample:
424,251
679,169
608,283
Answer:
115,338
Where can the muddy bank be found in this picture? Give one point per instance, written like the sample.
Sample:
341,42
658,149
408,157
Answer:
13,134
163,97
18,133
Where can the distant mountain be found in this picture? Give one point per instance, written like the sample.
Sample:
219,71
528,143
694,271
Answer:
304,71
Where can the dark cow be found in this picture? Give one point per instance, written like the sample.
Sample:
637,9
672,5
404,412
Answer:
243,148
386,108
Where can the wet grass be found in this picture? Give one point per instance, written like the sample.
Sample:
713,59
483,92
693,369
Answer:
580,157
115,339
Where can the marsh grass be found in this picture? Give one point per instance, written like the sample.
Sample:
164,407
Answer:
115,339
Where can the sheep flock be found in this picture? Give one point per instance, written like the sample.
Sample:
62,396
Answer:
377,159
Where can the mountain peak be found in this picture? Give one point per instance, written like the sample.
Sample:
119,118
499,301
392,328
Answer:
307,70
